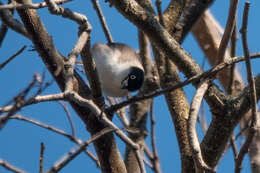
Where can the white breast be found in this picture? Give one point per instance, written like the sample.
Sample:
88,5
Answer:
109,71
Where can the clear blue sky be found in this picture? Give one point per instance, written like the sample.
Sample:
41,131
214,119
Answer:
20,141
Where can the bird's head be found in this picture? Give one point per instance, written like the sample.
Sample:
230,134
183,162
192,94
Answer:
134,80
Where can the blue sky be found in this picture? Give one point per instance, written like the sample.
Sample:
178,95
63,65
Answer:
20,141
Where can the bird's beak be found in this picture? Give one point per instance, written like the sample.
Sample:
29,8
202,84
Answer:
124,84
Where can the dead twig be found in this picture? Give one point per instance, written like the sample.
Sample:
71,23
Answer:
41,157
251,82
102,20
10,167
155,160
67,13
66,109
32,6
3,32
228,30
58,131
12,57
73,153
19,100
233,46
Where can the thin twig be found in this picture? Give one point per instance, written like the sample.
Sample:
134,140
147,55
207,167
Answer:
233,46
3,32
148,152
41,157
73,153
66,109
12,57
102,20
34,100
253,99
155,160
58,131
228,31
192,135
19,102
148,163
32,6
10,167
67,13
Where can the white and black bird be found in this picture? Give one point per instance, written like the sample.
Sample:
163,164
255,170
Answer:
119,68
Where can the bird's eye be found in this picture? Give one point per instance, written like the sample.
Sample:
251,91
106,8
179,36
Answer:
132,77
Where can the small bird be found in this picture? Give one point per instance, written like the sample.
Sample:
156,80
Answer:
119,68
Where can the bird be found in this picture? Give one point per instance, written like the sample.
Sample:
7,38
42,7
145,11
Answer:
119,68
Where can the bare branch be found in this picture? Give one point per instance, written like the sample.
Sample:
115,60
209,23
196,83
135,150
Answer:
228,30
155,160
208,33
12,57
233,46
73,153
3,32
36,99
192,135
251,82
58,131
66,109
102,20
148,152
10,167
32,6
19,101
41,157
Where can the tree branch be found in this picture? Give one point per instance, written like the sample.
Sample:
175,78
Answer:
73,153
102,20
253,99
32,6
10,167
192,135
12,57
228,30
